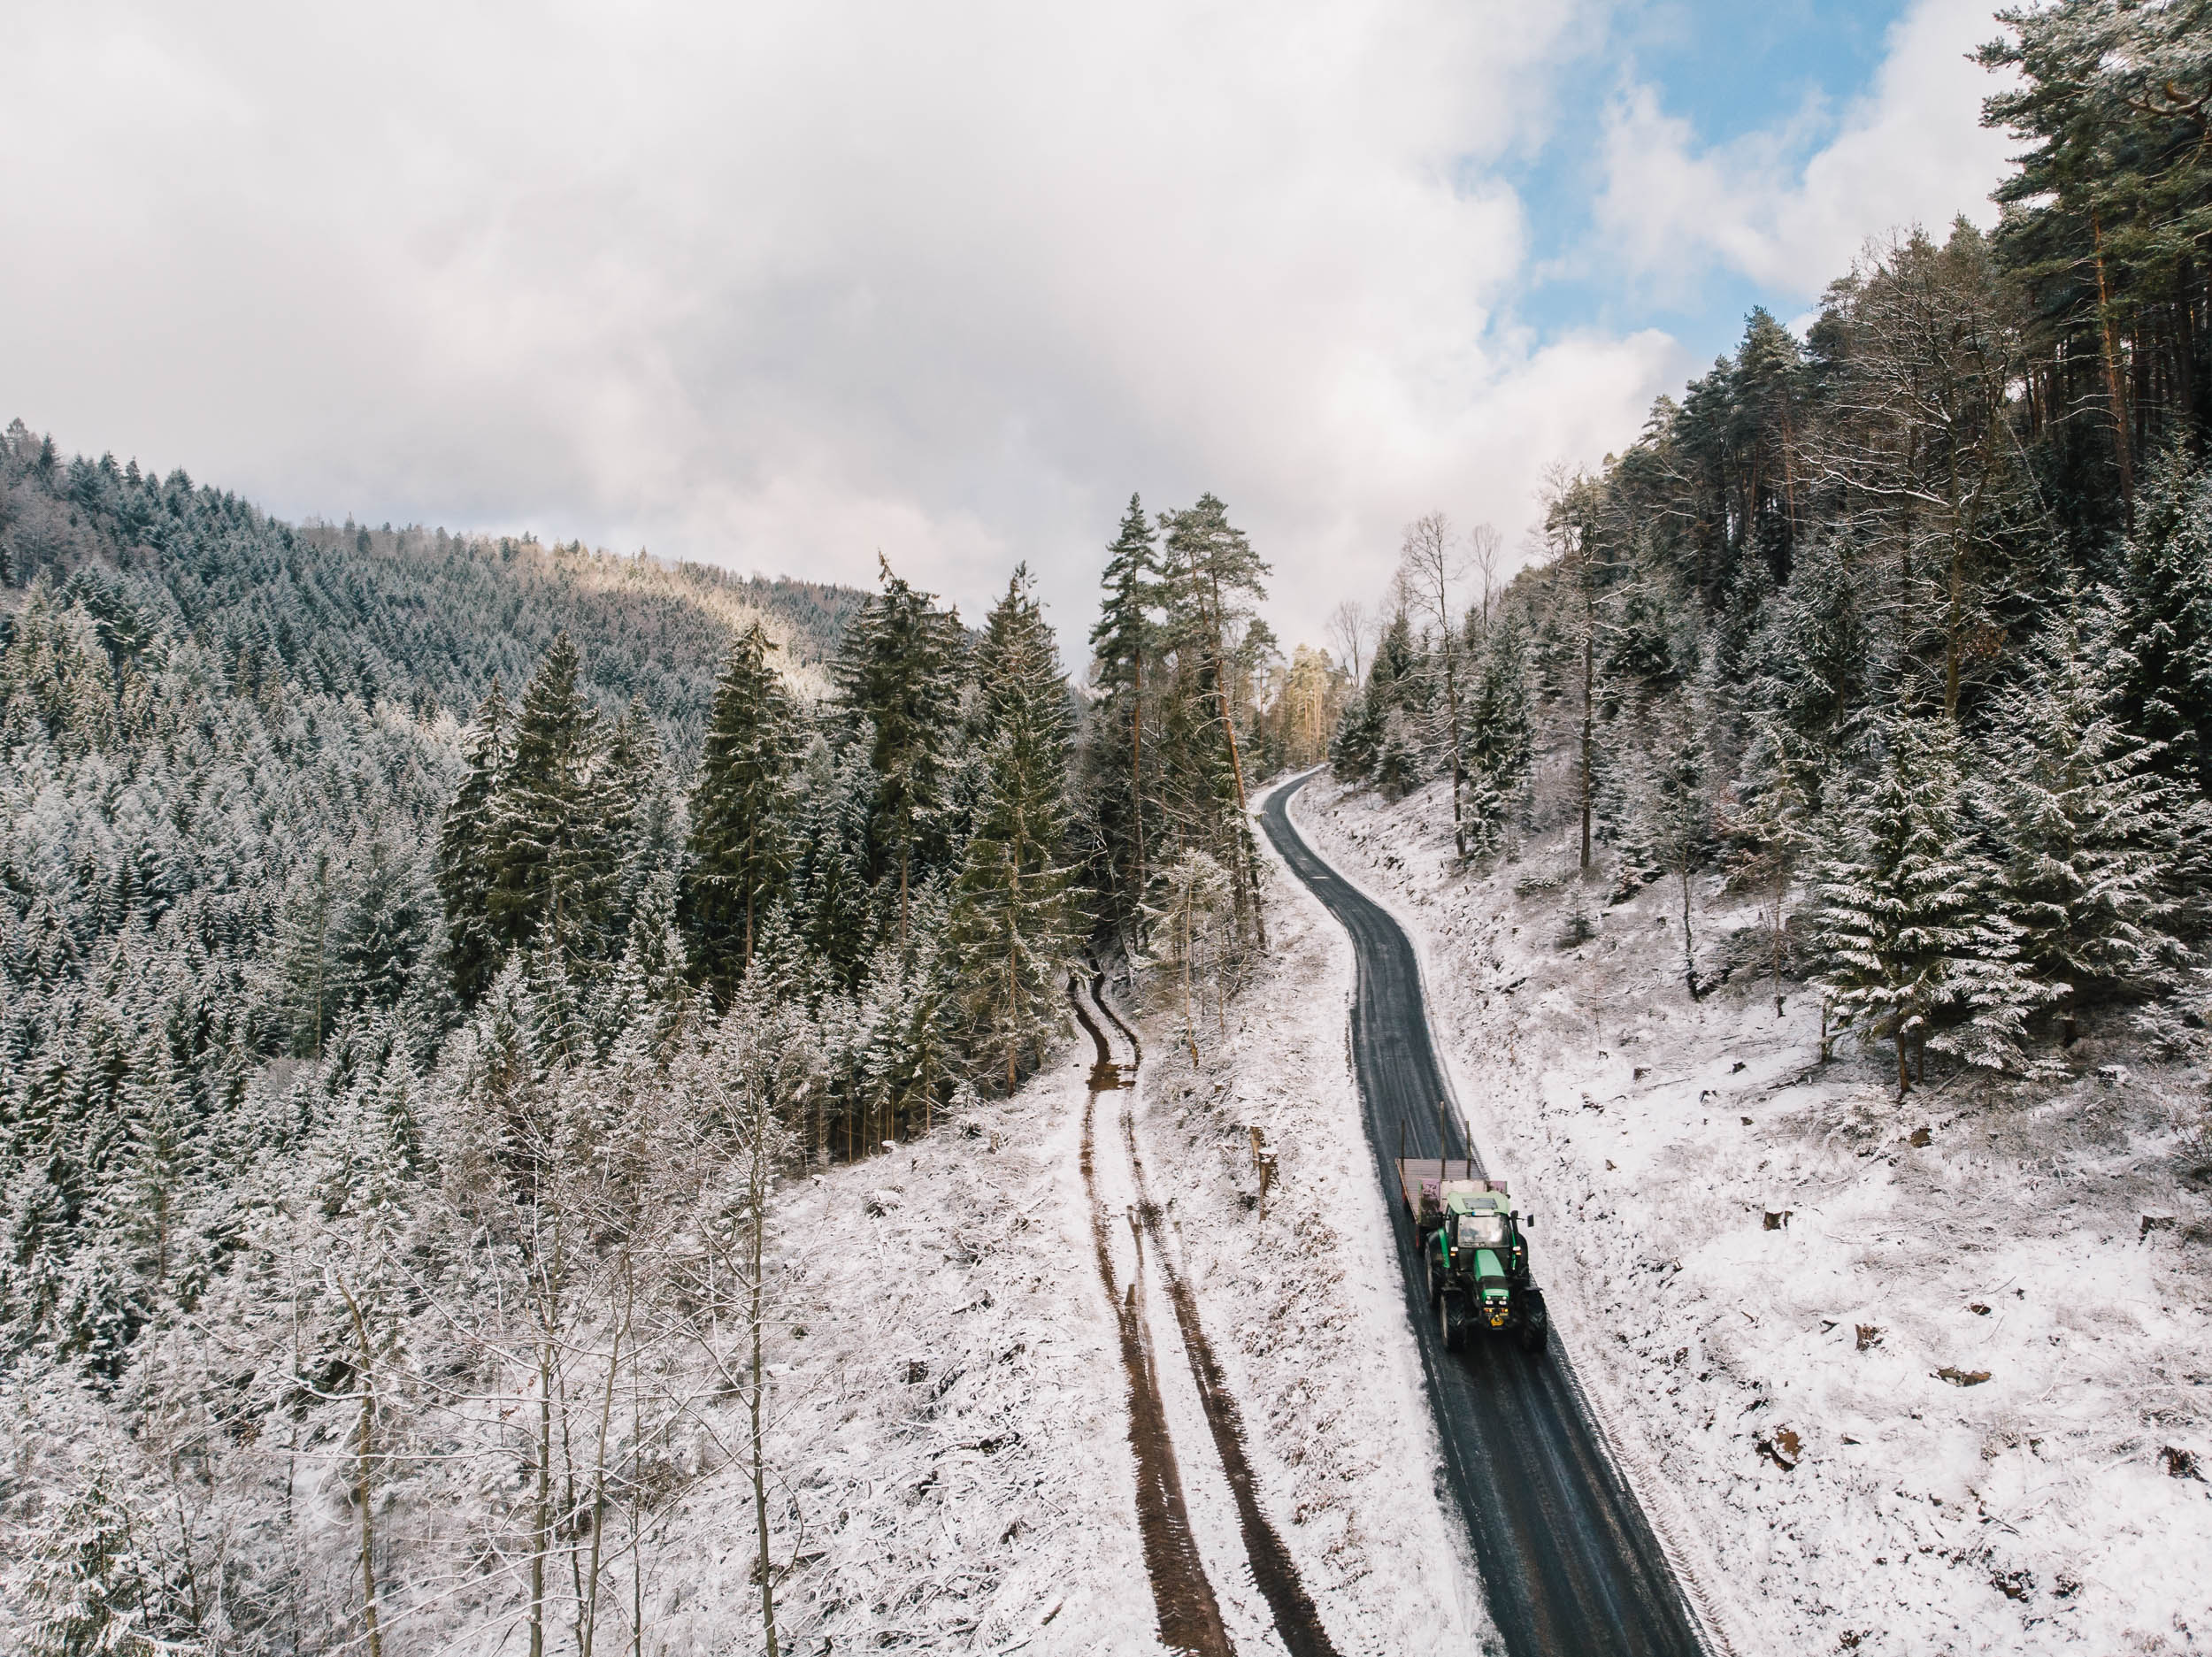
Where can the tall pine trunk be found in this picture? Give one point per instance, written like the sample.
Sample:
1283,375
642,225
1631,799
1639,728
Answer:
1451,704
1242,849
1136,786
2123,448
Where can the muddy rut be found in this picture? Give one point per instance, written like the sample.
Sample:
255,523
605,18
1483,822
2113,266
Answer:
1296,1622
1190,1618
1273,1569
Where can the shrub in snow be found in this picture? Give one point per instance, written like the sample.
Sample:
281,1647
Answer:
1578,915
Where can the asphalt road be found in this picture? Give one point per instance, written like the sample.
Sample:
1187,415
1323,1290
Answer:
1569,1563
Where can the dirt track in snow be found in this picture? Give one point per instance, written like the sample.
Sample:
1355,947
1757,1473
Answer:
1190,1617
1272,1569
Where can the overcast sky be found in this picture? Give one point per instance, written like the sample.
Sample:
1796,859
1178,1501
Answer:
778,285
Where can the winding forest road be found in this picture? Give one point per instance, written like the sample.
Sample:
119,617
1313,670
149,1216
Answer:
1570,1565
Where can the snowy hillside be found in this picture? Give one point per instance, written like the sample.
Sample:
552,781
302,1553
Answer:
954,1426
1890,1380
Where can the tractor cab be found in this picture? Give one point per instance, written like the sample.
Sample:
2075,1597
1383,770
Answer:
1475,1224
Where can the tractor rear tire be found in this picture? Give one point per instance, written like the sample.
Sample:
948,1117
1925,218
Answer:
1436,1279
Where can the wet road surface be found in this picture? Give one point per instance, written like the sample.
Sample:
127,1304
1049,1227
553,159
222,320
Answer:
1569,1564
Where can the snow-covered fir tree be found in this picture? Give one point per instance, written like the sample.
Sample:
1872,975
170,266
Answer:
2091,827
1915,947
741,811
1015,924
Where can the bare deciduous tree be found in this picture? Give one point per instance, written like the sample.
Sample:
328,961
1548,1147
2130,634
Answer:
1348,629
1431,566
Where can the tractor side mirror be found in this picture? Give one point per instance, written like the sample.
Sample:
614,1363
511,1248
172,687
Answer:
1528,1221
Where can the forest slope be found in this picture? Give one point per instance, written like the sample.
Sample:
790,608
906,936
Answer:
1921,1377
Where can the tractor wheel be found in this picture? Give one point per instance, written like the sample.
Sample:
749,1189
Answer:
1535,1325
1450,1325
1436,1278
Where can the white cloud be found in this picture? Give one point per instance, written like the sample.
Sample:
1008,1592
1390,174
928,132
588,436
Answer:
1910,151
782,283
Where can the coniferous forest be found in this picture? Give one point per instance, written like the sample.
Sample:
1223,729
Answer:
423,954
1906,622
422,957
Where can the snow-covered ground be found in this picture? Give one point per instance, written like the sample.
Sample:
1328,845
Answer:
952,1436
1303,1307
1892,1379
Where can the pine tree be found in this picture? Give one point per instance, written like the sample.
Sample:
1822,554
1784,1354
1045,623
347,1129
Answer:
1916,948
552,851
464,846
740,812
1212,580
896,675
1014,925
2092,828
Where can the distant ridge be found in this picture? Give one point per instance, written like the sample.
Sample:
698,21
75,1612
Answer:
414,614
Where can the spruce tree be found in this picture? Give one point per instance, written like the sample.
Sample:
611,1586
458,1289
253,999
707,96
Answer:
1679,817
473,952
740,813
829,888
1014,925
553,852
643,824
2091,827
382,929
909,1061
897,676
1773,824
1392,687
1122,638
2168,618
89,1587
1916,948
1501,742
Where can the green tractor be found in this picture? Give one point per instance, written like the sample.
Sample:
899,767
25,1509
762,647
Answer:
1476,1256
